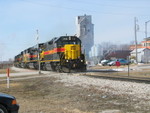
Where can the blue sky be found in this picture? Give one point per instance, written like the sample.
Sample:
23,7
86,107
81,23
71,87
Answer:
113,21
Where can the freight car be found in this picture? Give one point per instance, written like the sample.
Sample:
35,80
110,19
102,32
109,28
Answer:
62,54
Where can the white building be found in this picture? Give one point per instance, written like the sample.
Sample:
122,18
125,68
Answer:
96,50
85,31
96,53
143,55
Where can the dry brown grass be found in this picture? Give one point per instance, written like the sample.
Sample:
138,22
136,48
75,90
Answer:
145,72
45,95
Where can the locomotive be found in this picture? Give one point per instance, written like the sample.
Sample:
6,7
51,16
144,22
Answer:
61,54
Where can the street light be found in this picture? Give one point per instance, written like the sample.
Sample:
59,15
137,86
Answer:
146,31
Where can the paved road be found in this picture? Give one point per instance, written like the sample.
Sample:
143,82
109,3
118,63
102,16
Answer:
24,72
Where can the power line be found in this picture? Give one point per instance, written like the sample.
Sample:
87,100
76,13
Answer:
11,44
143,31
105,5
84,10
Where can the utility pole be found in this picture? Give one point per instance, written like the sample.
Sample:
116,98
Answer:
146,38
146,30
135,34
38,51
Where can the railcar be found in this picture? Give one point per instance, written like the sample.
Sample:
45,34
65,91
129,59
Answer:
18,60
28,58
62,54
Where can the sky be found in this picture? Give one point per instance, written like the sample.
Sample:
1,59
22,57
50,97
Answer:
113,21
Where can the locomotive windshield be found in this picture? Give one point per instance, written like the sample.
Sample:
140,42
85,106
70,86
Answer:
68,40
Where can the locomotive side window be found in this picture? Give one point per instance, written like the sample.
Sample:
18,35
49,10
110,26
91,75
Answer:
50,45
59,43
45,46
51,42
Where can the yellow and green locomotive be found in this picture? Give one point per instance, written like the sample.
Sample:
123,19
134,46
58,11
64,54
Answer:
61,54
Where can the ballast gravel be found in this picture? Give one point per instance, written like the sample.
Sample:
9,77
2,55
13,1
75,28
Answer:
116,87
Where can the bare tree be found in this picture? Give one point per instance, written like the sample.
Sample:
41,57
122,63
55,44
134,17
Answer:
124,47
106,48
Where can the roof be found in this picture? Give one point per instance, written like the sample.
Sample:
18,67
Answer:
139,50
117,54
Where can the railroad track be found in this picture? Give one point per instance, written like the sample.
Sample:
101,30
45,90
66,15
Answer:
98,74
118,77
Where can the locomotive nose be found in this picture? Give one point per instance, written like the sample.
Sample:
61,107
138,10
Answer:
72,51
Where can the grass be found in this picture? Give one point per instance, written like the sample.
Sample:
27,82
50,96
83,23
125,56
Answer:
47,95
135,73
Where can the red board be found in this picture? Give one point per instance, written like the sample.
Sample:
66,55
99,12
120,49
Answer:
117,63
8,72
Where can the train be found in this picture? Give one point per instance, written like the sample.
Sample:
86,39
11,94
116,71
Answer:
61,54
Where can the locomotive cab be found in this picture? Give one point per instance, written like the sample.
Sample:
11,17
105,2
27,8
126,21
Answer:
71,47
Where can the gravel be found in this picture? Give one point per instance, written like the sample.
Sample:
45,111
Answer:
116,87
138,90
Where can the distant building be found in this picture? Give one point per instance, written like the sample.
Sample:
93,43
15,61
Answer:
116,54
144,44
132,47
143,55
143,51
85,31
96,53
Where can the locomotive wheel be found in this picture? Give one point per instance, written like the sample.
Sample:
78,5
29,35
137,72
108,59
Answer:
83,69
58,68
44,67
53,68
65,70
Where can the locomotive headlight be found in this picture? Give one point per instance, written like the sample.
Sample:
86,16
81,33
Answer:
67,61
81,60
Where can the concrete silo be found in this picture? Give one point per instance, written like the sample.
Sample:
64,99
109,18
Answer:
85,31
